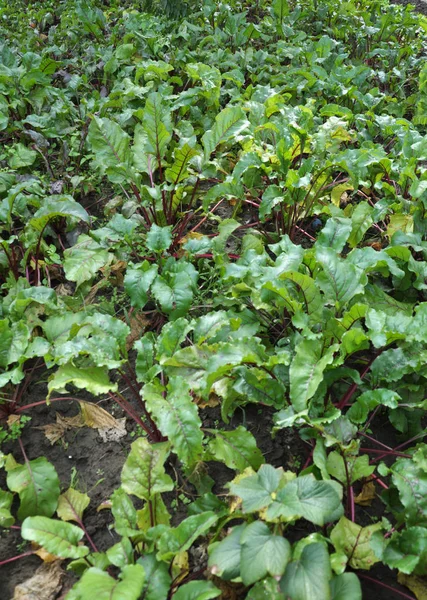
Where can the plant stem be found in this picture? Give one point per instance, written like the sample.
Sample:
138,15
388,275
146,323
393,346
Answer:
9,560
388,587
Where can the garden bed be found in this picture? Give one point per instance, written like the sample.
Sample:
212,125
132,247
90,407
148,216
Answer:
213,261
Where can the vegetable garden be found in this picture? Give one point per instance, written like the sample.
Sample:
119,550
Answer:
213,312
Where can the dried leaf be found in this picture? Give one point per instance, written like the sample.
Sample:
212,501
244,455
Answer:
367,494
137,324
64,289
96,417
417,585
55,431
43,554
115,434
212,401
71,505
45,584
12,419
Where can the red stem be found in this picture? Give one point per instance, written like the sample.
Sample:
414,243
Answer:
388,587
352,389
385,452
9,560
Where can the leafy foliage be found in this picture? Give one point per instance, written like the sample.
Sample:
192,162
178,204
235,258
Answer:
221,206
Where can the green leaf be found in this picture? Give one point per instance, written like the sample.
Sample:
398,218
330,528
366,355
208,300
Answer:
361,221
262,553
197,590
159,238
138,281
58,206
179,539
237,449
71,505
174,294
340,281
37,484
157,579
143,473
121,554
224,559
308,577
93,379
354,541
306,497
407,551
124,513
109,143
56,537
410,480
306,370
267,589
357,467
83,260
176,415
335,233
6,518
257,490
157,125
178,171
346,587
229,123
21,156
104,587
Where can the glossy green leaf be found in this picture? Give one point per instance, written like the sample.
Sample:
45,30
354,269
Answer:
308,577
56,537
176,415
262,553
179,539
197,590
37,485
93,379
237,449
98,582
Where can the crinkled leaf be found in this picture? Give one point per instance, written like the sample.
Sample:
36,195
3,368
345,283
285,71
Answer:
93,379
237,449
176,415
143,473
354,541
58,538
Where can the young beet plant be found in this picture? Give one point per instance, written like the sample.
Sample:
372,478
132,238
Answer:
40,331
162,171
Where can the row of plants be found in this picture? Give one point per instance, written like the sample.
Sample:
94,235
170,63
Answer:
249,181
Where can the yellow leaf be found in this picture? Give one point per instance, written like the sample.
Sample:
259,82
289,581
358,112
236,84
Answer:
71,505
417,585
339,194
43,554
106,505
367,494
180,568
